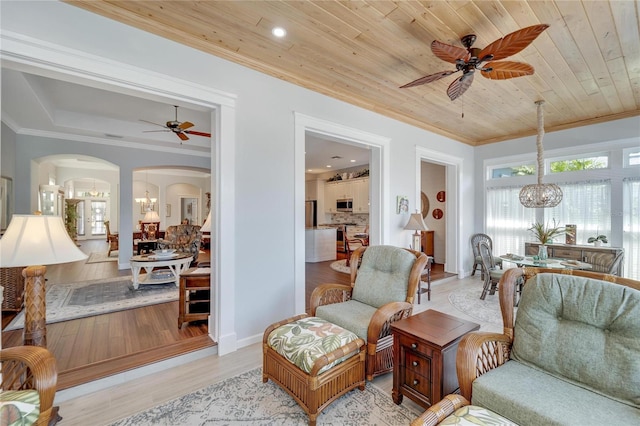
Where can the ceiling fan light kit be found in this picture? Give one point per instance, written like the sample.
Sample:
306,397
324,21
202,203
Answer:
540,195
469,59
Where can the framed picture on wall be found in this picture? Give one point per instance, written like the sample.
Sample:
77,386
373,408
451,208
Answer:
403,204
168,212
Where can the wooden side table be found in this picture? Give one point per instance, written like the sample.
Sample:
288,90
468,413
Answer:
195,295
424,356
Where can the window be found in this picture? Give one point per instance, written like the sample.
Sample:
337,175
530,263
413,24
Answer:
511,171
632,157
574,164
631,227
585,204
508,220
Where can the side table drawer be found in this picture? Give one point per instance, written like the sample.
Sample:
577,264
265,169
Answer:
418,383
418,364
567,253
416,345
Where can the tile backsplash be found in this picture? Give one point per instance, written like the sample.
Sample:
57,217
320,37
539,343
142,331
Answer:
360,219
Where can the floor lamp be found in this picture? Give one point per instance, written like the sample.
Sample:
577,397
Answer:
416,223
34,241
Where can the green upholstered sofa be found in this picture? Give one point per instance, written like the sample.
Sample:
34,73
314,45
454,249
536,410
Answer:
570,357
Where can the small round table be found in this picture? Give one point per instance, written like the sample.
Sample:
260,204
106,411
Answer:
177,264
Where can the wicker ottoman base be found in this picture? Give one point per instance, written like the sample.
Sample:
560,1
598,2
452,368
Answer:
313,391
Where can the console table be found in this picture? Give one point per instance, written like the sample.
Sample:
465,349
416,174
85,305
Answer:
582,253
195,295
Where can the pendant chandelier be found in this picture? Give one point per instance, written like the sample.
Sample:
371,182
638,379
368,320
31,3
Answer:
147,203
94,191
540,195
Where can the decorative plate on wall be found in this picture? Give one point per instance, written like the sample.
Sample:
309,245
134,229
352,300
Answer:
440,196
425,204
437,214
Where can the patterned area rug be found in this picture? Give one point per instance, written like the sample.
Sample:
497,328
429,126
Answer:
85,299
245,400
102,257
468,301
341,266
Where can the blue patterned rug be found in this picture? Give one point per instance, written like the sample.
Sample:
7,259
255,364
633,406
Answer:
245,400
85,299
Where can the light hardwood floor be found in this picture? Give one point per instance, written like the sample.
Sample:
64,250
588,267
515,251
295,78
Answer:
106,406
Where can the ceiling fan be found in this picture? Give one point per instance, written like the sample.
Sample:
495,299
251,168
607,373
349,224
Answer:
471,59
177,127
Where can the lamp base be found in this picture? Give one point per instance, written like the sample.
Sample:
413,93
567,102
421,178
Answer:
35,308
417,241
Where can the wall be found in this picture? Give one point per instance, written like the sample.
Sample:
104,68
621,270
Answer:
432,181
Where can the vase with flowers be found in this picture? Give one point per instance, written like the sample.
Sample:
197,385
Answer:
545,233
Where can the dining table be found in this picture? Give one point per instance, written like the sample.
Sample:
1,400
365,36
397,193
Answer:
545,263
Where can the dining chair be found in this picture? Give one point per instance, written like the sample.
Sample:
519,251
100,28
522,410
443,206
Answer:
491,274
606,262
477,262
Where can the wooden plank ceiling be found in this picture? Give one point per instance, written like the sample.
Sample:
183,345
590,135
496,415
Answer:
587,63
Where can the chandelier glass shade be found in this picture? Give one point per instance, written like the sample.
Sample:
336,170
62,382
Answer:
540,195
147,202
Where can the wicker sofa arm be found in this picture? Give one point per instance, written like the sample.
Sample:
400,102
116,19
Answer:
327,294
479,352
440,411
31,367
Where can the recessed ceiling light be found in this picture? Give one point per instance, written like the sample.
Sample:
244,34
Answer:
309,170
279,32
329,165
353,161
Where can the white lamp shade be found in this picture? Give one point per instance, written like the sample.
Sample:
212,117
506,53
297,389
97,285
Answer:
416,223
151,216
37,240
206,227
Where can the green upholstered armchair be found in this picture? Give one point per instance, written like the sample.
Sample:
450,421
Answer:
384,280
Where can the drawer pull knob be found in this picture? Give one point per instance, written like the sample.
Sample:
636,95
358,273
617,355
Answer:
414,346
415,382
415,363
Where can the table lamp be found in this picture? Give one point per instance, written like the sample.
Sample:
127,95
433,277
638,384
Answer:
32,241
416,223
206,226
151,217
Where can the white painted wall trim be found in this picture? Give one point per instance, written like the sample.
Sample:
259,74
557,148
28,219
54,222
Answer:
455,203
42,58
378,181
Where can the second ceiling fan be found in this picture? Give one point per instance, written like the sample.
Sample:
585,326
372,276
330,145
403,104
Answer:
470,59
177,127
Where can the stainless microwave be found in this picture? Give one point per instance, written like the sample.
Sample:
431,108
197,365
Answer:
344,205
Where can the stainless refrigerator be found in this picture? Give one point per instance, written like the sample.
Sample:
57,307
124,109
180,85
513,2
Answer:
310,217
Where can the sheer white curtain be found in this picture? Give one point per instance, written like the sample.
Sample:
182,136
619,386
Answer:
631,227
586,204
508,220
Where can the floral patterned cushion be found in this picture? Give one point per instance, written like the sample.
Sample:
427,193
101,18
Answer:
302,342
472,415
19,408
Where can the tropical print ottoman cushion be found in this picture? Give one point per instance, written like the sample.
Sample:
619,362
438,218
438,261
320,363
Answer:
19,408
472,415
302,342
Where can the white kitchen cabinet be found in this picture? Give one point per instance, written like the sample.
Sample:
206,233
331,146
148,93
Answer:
330,191
361,195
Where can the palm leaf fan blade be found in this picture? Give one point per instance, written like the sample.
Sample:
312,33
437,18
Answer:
512,43
428,79
459,86
186,125
182,136
503,70
449,53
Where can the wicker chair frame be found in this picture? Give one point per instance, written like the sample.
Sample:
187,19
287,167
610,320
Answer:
480,352
477,263
313,391
379,338
112,239
32,367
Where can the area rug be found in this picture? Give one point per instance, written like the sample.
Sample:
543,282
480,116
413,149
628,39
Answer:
341,266
245,400
85,299
468,302
102,257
